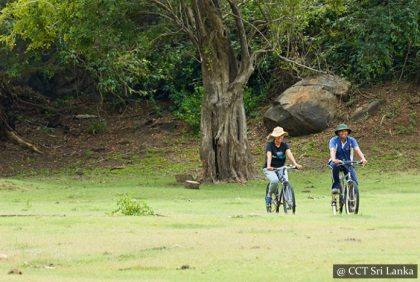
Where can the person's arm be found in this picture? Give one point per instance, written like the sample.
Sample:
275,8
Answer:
361,156
333,152
292,159
269,157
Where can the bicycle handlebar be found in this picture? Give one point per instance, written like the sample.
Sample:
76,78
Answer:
351,163
284,167
347,163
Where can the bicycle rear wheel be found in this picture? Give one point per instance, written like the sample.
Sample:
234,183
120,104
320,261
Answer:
289,201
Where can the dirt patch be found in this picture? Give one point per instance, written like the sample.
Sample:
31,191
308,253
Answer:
111,140
5,185
116,140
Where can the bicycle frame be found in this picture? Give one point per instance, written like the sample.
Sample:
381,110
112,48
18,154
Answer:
346,181
284,179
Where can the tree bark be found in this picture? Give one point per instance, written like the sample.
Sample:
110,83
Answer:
224,148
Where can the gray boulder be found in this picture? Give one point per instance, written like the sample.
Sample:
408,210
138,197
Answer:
308,106
364,111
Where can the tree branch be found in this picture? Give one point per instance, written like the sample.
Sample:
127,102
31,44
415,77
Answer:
245,56
169,12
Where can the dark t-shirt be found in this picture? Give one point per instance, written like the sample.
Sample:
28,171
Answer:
278,154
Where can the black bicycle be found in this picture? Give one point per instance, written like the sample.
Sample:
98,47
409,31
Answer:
286,196
349,195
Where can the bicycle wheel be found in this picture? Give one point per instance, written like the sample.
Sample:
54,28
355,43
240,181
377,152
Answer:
289,201
342,196
355,195
352,198
276,202
334,204
341,199
267,206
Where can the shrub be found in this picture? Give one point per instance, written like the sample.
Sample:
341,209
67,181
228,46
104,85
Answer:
97,127
129,206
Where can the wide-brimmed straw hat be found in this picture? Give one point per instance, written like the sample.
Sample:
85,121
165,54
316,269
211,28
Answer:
277,131
342,126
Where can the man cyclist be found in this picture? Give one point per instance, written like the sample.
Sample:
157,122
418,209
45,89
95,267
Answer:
341,149
275,156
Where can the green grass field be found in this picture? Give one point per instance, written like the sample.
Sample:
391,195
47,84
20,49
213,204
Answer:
60,228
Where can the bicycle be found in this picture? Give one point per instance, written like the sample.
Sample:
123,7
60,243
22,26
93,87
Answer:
348,196
286,197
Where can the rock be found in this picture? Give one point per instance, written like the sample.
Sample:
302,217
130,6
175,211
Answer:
182,177
190,184
308,106
333,84
364,111
85,116
15,271
168,126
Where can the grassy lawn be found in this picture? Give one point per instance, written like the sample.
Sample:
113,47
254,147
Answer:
61,228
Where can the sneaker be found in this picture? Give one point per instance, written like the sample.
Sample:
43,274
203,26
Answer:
335,191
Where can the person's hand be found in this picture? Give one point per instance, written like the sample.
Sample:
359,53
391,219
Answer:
270,168
337,161
298,166
364,161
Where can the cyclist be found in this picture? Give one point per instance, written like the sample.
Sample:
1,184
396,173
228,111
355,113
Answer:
276,152
341,149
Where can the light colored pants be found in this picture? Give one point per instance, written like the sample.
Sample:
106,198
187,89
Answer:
274,180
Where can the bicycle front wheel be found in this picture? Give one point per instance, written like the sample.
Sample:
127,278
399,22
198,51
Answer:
289,201
352,198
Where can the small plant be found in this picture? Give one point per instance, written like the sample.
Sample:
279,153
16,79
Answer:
410,127
88,153
97,127
129,206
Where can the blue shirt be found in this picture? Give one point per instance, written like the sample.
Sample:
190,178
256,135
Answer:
344,152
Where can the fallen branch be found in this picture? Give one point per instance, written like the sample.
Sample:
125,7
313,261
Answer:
12,136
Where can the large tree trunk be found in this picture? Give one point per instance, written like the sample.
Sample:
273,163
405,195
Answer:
224,144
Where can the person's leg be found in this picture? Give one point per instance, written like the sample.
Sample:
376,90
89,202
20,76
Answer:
335,174
352,173
274,181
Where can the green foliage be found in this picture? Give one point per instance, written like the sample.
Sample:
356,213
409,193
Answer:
129,206
368,40
98,36
97,127
188,107
253,101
